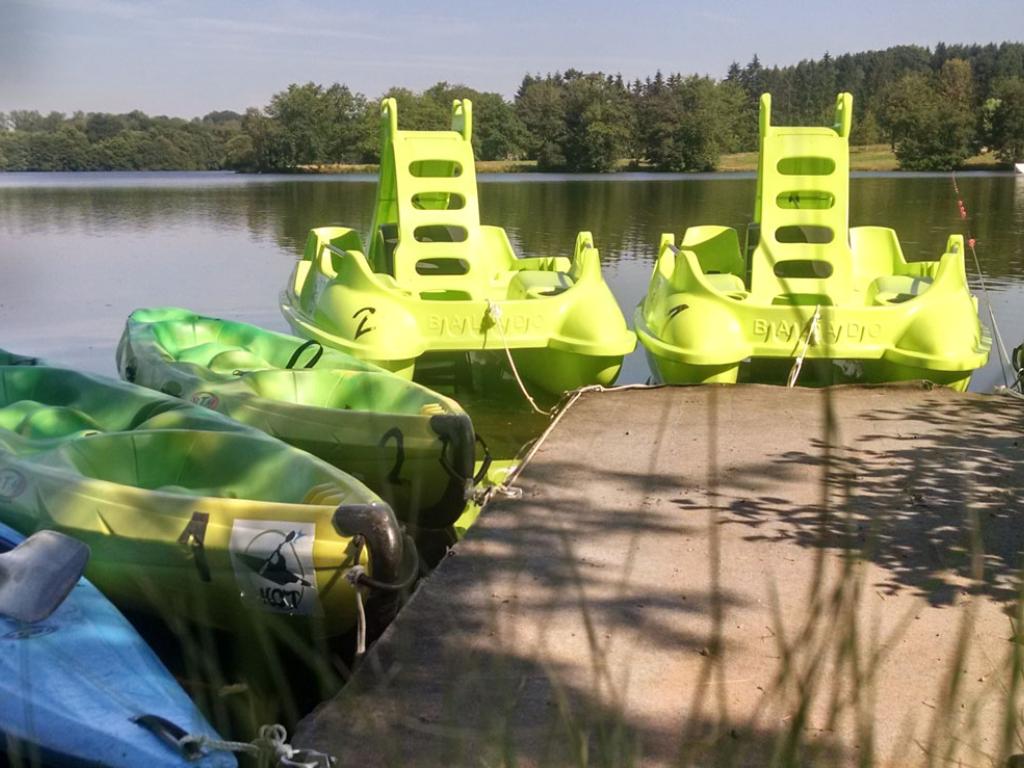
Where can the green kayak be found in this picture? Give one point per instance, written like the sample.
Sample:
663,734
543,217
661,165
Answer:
409,444
187,513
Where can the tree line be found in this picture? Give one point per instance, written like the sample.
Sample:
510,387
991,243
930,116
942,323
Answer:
934,107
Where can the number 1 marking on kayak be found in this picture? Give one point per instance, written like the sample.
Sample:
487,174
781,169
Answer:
193,537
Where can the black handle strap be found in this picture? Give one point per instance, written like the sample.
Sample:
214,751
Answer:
485,465
302,348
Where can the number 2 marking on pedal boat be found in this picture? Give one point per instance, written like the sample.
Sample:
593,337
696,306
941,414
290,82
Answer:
365,312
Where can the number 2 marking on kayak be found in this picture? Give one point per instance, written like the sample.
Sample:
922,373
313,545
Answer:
395,475
192,537
361,328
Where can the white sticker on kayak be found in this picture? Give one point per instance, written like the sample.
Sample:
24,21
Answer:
273,563
206,399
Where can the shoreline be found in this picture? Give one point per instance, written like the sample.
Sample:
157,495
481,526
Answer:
863,159
870,157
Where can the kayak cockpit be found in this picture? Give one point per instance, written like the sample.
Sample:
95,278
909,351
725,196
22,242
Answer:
411,445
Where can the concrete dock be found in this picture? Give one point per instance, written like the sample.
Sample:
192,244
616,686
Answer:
720,576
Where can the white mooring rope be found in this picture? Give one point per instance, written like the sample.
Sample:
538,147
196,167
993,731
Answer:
506,487
352,575
494,310
812,338
270,748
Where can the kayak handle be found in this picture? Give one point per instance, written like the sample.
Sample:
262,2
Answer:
170,734
485,464
302,348
375,524
358,575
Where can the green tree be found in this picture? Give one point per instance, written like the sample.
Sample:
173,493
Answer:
311,124
61,150
342,121
939,134
540,105
498,133
33,122
934,106
113,154
736,133
223,117
299,120
1006,131
240,153
100,126
902,103
866,129
682,123
16,151
422,112
598,122
269,150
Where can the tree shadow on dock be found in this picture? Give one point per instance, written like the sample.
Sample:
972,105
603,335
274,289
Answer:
645,601
930,491
516,659
537,642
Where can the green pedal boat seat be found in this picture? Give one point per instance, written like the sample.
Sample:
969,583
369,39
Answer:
188,514
436,280
412,446
811,286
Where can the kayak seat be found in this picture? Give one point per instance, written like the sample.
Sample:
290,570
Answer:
895,289
536,284
222,358
161,415
44,422
174,418
239,359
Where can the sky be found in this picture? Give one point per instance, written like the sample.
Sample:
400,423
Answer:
186,57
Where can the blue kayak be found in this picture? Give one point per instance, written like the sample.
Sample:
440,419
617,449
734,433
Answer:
73,684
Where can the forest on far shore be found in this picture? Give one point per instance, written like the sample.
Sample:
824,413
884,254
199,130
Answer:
934,107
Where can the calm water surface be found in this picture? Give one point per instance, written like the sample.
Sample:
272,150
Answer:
80,251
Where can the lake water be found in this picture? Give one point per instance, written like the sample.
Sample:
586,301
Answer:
80,251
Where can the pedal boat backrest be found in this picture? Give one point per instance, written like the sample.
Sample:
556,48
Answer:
802,211
426,229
